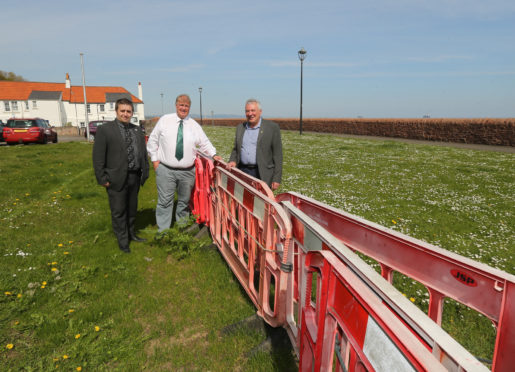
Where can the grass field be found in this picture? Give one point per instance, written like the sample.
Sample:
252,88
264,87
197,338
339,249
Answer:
70,300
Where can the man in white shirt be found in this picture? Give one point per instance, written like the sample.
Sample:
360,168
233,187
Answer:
172,147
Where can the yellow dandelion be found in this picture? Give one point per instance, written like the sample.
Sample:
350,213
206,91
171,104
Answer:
42,287
97,328
27,194
79,368
70,242
28,244
9,346
19,295
412,299
56,359
71,311
54,263
44,283
65,356
7,293
66,252
14,203
17,322
17,199
60,245
394,222
77,336
54,269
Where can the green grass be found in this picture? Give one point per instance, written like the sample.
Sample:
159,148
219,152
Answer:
159,309
62,275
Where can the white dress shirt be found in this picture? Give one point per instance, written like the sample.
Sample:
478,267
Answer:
162,140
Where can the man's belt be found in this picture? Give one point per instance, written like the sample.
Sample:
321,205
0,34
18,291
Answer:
248,166
181,169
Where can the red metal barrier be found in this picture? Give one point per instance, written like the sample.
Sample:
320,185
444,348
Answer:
201,193
349,327
253,234
278,251
346,299
444,274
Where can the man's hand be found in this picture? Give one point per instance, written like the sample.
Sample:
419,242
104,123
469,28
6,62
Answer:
275,185
106,185
155,164
218,158
231,164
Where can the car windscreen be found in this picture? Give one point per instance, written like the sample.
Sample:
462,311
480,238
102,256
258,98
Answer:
21,123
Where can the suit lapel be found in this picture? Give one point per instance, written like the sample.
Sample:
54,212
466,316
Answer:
118,136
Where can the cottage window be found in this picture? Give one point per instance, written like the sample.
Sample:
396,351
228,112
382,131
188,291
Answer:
27,105
89,108
6,106
111,105
34,104
102,108
14,105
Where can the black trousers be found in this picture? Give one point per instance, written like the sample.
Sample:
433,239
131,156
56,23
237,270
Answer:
124,206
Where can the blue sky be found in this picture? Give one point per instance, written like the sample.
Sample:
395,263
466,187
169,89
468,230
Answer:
391,58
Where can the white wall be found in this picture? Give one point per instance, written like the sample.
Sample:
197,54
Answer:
59,113
48,110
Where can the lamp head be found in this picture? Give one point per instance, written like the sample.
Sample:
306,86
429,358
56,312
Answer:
302,54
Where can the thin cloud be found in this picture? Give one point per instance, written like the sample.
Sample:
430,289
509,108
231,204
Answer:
186,68
442,58
312,64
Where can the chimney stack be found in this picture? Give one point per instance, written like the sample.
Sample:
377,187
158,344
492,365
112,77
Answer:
68,83
140,91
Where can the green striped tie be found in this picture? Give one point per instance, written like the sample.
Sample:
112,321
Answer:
179,146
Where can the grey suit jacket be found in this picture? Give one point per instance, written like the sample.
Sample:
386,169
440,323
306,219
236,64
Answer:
269,152
110,155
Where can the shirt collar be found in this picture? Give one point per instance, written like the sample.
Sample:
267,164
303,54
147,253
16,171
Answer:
247,125
122,124
183,120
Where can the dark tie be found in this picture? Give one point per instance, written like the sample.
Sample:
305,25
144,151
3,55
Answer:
130,149
179,146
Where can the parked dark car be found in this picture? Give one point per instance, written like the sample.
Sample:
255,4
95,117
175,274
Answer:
2,125
28,130
93,128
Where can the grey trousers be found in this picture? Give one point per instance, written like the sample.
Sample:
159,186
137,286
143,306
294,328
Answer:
168,181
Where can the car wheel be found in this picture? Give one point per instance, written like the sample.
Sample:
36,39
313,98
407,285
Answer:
55,139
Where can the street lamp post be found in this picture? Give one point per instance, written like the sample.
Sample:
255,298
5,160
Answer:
200,91
302,56
84,92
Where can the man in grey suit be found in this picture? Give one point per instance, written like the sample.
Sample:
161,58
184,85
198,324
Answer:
121,166
257,147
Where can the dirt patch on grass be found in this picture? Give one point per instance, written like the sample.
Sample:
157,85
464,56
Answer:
188,337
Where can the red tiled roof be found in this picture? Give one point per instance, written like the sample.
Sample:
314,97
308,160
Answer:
21,90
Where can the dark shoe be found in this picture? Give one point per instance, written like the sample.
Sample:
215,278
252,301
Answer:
137,239
125,249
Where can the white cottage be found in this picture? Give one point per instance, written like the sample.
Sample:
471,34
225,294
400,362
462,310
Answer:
63,104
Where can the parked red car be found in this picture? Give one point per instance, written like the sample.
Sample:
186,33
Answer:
28,130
